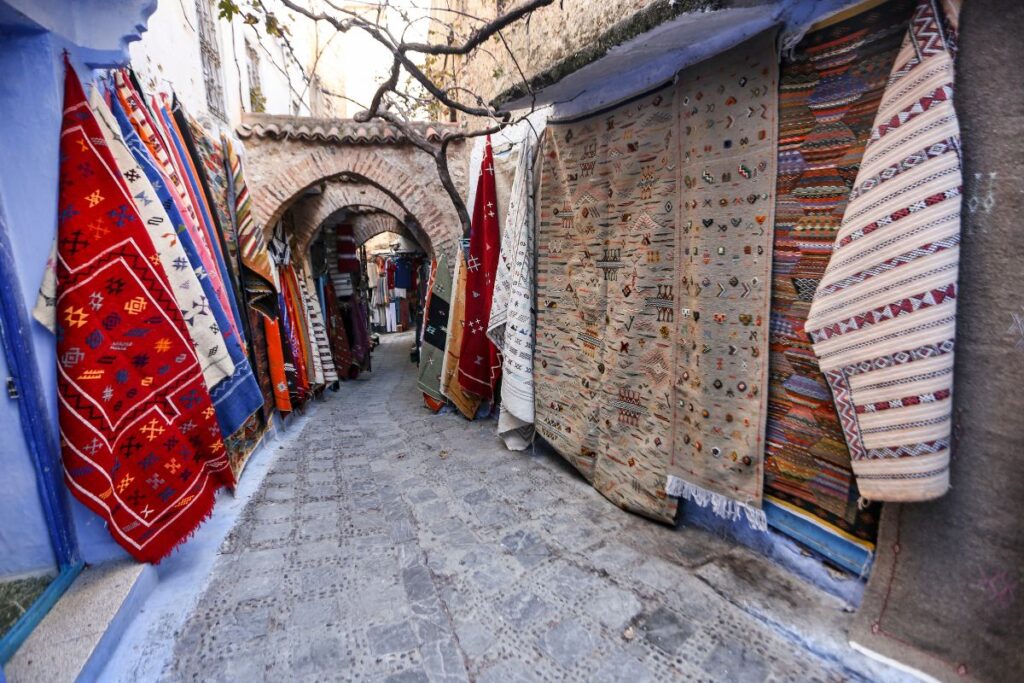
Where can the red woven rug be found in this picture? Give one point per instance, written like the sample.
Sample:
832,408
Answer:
139,439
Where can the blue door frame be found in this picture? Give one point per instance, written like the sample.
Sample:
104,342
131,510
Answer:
25,387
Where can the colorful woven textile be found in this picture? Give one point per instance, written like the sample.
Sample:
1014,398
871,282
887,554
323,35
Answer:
510,328
605,261
435,330
313,337
830,90
188,292
450,387
212,174
187,153
140,442
318,328
293,335
237,397
259,276
728,109
479,364
883,317
259,345
276,361
359,330
348,258
149,128
336,333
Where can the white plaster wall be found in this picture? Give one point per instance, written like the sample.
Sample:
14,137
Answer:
168,58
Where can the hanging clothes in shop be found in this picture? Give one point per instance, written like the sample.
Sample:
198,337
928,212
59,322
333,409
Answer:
341,249
140,444
883,318
479,365
348,257
359,324
510,328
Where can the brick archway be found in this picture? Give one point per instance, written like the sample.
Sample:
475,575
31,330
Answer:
370,225
289,155
311,213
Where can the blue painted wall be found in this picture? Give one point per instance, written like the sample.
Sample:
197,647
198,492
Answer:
33,36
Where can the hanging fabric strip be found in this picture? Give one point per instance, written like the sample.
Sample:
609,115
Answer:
479,365
723,262
151,132
829,93
510,328
435,331
450,387
318,328
259,274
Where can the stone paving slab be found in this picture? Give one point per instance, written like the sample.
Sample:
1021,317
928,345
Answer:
398,545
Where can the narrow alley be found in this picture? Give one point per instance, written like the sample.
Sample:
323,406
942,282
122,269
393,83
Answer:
394,544
501,341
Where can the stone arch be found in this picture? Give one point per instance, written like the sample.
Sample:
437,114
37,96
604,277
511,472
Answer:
275,192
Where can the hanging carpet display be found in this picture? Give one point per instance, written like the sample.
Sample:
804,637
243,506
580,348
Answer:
510,328
728,125
479,364
259,276
318,327
239,397
830,89
450,388
944,598
140,442
216,191
435,332
341,351
883,317
605,251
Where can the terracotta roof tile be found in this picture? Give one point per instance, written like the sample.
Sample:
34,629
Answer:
344,131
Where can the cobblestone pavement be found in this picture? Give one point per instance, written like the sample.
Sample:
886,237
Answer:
404,546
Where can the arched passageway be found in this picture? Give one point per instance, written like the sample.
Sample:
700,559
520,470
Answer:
315,166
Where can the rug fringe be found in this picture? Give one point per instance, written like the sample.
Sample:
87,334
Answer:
722,506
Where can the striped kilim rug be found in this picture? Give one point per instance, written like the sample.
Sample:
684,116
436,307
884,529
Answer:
883,317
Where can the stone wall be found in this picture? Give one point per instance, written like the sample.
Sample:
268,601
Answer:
555,40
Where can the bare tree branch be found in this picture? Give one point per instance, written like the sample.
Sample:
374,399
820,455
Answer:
391,104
